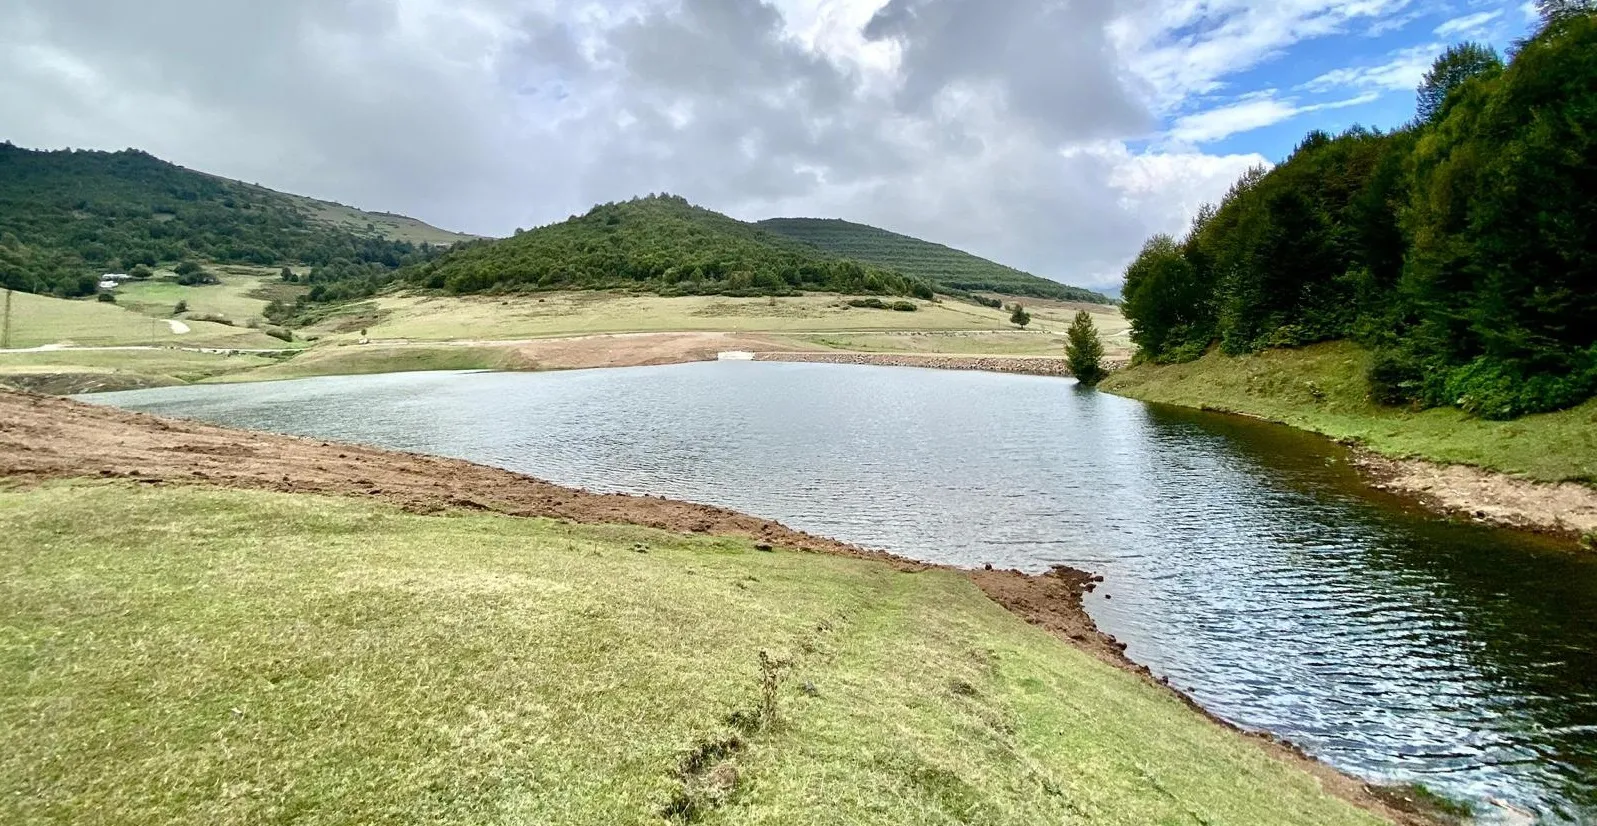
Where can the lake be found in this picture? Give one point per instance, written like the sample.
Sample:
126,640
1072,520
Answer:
1244,561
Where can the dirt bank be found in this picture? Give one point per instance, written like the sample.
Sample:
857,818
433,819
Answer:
1030,365
44,438
1566,508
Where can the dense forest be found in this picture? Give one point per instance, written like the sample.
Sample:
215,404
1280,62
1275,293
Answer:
660,243
943,267
68,216
1461,248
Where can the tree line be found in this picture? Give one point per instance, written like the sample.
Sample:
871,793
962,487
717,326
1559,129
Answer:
1461,248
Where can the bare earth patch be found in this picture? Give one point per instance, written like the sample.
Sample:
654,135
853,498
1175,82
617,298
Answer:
1497,498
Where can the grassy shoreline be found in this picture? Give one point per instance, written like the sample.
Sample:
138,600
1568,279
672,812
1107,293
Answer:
1321,389
198,655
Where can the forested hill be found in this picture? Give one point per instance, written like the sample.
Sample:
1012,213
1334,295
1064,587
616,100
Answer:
940,266
1462,248
68,216
660,243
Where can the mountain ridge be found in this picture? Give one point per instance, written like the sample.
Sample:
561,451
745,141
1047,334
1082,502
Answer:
943,266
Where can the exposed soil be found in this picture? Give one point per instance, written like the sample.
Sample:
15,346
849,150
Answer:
44,438
1566,508
620,349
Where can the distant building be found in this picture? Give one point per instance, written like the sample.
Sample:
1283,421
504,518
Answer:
111,280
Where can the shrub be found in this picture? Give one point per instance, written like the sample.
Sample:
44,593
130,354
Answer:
1395,378
905,306
279,333
870,303
214,318
180,307
140,272
1019,317
107,297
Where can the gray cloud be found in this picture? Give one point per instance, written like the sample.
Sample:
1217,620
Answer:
993,127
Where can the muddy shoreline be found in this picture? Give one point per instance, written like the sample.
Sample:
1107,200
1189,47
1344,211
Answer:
45,438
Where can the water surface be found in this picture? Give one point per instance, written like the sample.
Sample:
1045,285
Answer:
1244,561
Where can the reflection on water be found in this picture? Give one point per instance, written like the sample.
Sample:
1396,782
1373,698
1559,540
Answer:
1245,561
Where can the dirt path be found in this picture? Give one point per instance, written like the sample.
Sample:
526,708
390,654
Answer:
44,438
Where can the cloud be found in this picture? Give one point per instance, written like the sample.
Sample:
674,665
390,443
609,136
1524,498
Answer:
1003,128
1471,24
1403,71
1254,113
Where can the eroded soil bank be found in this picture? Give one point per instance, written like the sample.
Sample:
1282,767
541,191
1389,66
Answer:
1564,508
45,438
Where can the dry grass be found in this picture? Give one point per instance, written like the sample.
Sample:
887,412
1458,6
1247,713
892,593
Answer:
177,656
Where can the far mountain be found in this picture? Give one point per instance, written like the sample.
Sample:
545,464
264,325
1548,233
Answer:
68,216
943,267
662,244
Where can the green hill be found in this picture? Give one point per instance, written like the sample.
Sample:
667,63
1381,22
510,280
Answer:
66,217
661,244
940,266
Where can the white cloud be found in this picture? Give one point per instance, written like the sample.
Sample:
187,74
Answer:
1253,113
1402,72
1186,48
1472,24
1001,128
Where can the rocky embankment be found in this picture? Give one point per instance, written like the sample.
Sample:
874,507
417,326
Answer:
1030,365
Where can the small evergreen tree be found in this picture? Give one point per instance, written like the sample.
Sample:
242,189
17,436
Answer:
1019,317
1083,350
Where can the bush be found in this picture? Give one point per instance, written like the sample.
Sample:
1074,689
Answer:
213,318
107,297
905,306
868,303
278,333
1019,317
1395,378
196,277
140,272
180,307
187,268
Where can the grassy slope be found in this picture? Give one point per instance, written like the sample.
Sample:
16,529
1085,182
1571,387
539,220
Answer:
241,297
1322,388
202,656
381,224
430,318
934,263
354,361
38,320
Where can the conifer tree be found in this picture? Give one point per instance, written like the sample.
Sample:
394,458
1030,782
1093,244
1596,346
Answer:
1083,350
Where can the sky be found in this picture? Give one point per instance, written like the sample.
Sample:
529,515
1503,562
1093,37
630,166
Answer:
1050,135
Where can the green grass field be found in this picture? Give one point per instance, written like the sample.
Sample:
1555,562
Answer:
431,318
1322,388
238,298
184,655
39,320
